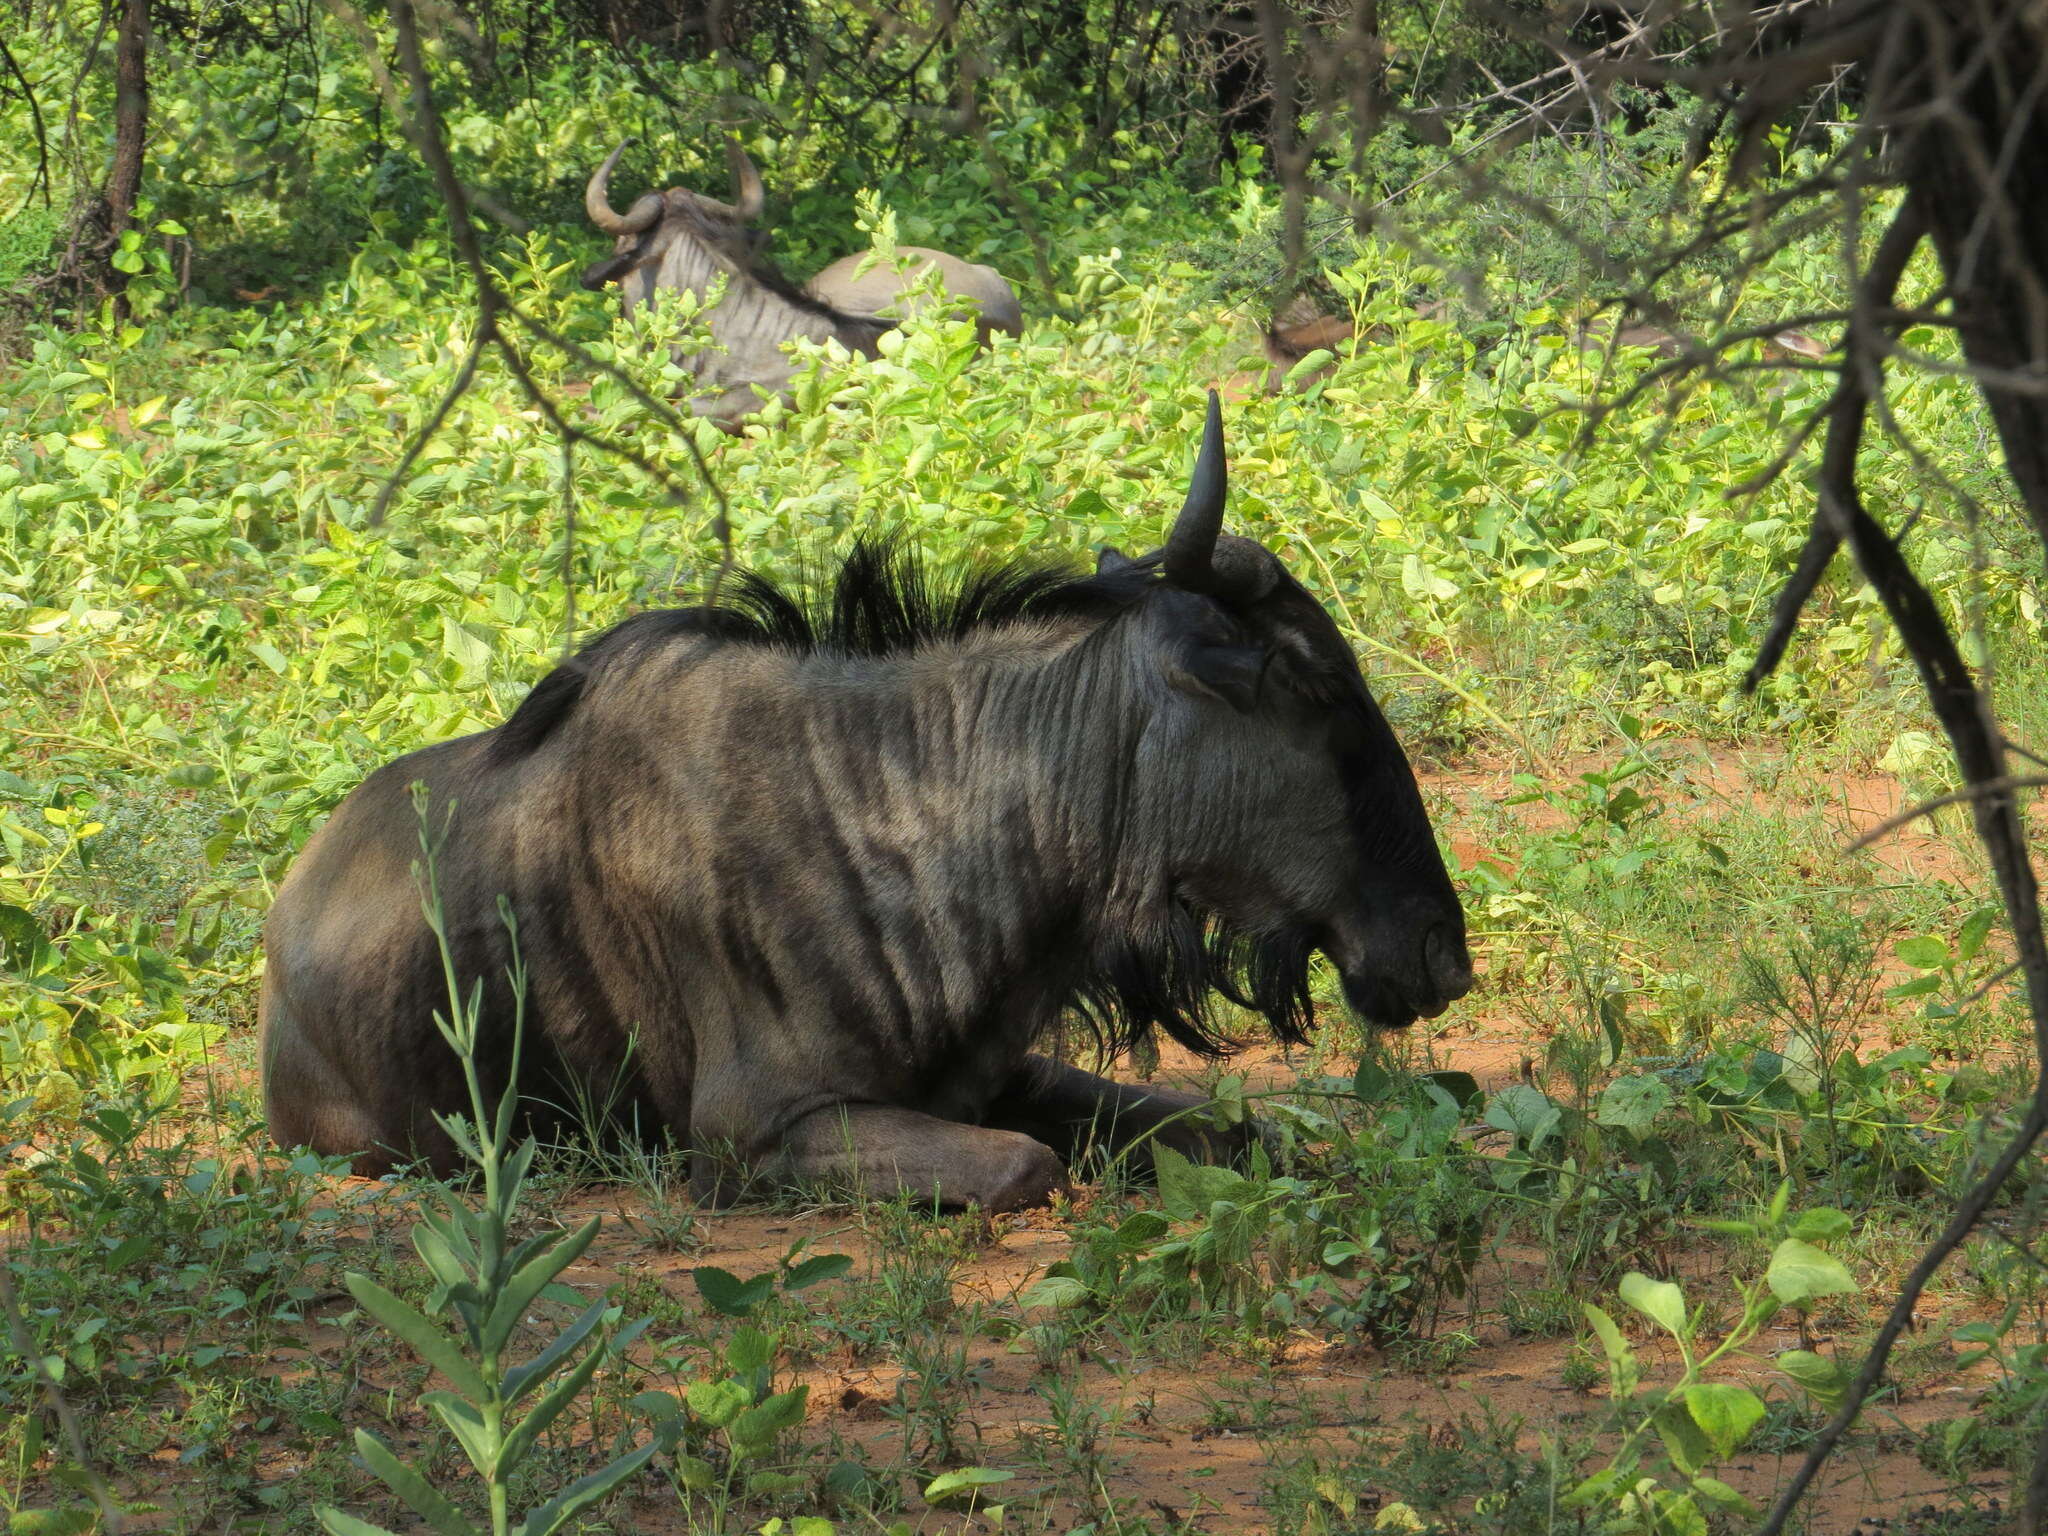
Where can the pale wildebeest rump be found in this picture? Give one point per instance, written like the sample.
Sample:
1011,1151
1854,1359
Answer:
816,885
682,242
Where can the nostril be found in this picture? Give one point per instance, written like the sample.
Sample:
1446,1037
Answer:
1449,968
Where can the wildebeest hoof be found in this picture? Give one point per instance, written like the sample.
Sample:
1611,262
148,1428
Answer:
1027,1173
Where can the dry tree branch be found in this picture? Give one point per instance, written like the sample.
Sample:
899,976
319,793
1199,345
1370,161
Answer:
1912,813
41,178
496,310
1965,716
1861,355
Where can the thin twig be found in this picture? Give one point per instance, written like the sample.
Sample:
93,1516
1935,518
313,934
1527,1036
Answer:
41,179
1911,814
1965,716
1860,359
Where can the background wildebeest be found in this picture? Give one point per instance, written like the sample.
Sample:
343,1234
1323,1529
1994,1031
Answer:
682,242
834,876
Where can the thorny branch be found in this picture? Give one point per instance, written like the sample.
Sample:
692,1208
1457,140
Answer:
1862,357
1965,715
40,181
496,312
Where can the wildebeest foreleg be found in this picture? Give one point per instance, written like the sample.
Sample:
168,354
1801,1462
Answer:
885,1149
1072,1110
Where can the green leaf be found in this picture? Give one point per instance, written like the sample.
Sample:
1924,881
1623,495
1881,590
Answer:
656,1405
1140,1231
1622,1371
1524,1112
1188,1190
823,1266
1919,986
1800,1272
552,1402
427,1341
1821,1224
717,1403
749,1350
270,656
1371,1082
1976,928
466,1422
757,1428
425,1500
1658,1300
1463,1087
963,1483
1675,1514
1926,953
581,1494
1819,1378
522,1379
1725,1414
470,652
695,1473
439,1258
539,1271
723,1291
1060,1291
1321,357
1633,1104
1688,1447
1603,1487
52,1522
1721,1496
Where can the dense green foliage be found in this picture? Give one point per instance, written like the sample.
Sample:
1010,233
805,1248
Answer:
204,645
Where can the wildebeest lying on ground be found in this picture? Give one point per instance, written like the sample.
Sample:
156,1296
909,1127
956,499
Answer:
834,876
681,242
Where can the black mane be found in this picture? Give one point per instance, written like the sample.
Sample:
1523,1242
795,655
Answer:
1162,980
881,601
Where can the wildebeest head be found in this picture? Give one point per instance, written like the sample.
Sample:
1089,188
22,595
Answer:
1304,826
646,232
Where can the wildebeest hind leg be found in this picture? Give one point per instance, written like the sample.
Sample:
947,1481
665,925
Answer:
884,1149
1074,1110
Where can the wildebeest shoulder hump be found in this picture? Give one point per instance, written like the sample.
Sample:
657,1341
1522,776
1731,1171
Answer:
881,602
554,697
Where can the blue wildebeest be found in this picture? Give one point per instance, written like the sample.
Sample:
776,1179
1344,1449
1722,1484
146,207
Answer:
680,241
816,883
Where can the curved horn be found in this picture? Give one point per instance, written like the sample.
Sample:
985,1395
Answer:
1192,543
749,198
1199,556
641,216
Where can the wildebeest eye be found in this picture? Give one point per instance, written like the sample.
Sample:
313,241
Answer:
1233,673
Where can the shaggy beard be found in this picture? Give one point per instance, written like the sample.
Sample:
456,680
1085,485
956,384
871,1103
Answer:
1165,982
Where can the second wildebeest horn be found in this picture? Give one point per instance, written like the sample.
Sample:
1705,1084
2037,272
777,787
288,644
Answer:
1197,559
597,203
748,197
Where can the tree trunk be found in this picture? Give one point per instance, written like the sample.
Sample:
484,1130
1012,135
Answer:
131,129
1980,170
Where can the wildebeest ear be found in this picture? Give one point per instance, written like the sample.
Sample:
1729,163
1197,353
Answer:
610,270
1233,673
1109,560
